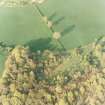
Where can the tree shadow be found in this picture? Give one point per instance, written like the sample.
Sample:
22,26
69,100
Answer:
39,10
68,30
52,16
40,44
58,21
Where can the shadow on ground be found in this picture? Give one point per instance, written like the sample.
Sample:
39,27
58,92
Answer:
52,16
57,21
65,31
68,30
41,44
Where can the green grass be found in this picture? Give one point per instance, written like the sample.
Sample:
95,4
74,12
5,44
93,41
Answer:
79,21
87,17
20,25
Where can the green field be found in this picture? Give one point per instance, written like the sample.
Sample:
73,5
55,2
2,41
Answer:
79,21
87,16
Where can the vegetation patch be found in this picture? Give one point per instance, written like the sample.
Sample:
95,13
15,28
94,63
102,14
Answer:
75,77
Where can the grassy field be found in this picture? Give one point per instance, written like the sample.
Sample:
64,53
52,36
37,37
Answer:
79,21
87,17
